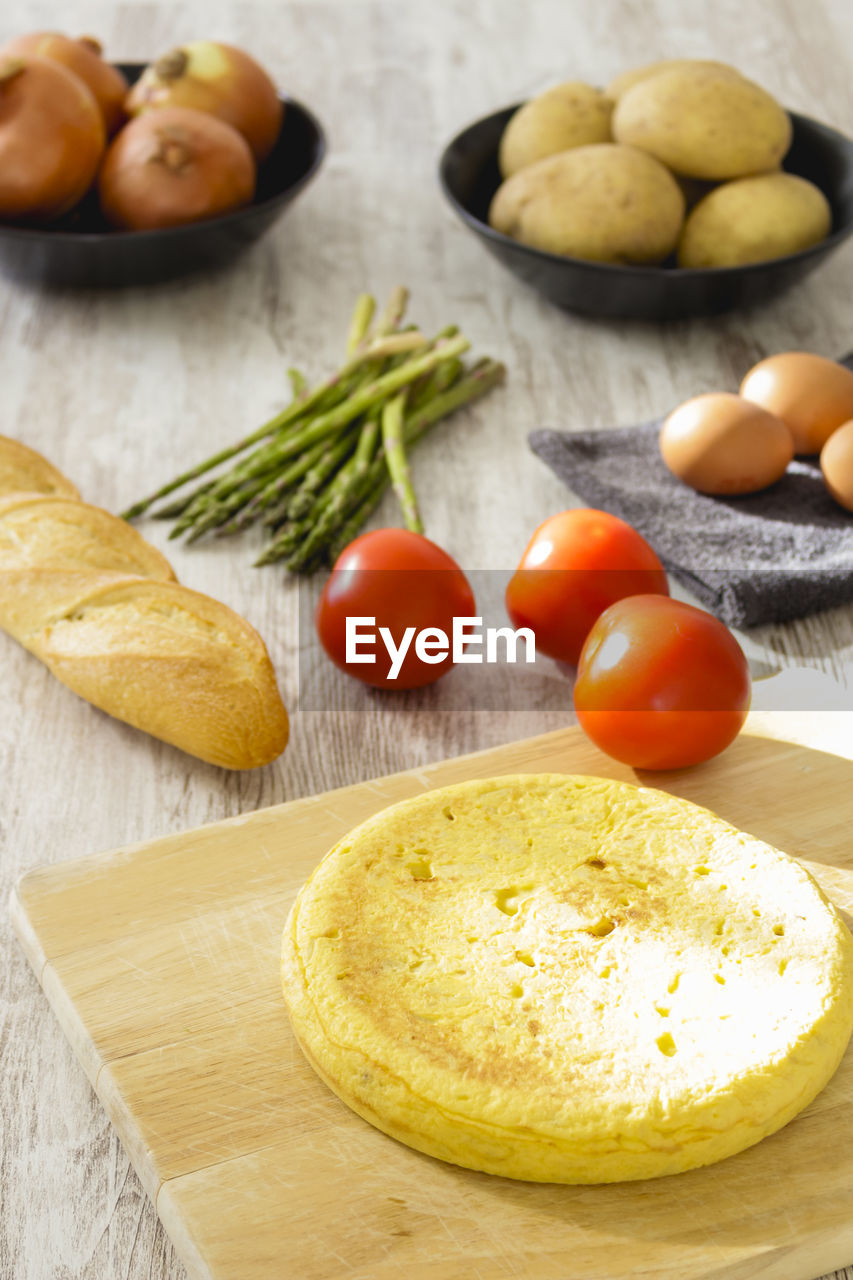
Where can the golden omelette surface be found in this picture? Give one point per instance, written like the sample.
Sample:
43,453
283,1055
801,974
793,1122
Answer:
567,979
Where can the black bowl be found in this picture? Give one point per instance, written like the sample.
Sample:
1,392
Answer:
81,249
469,178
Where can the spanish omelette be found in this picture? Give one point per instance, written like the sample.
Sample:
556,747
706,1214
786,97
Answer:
567,979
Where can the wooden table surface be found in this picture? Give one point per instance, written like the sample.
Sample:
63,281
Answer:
121,389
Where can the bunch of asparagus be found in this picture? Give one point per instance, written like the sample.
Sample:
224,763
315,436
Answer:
314,473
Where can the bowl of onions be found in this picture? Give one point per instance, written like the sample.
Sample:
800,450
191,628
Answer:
182,172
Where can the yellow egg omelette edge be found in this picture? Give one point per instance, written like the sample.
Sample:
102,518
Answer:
567,979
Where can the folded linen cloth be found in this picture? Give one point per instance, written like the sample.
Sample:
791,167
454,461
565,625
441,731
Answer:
765,557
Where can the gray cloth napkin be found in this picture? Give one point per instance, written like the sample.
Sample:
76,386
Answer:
765,557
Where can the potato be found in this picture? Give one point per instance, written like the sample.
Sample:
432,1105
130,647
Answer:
627,80
569,115
752,219
605,203
704,123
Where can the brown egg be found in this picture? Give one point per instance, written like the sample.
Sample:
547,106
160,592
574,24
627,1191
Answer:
836,463
721,444
811,394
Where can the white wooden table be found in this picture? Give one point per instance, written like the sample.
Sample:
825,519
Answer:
121,389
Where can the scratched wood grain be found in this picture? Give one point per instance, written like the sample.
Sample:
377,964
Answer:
120,389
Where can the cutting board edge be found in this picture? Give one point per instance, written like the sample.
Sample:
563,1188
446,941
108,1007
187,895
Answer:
24,931
128,1130
818,1257
38,877
830,1261
70,1022
822,1254
83,1048
178,1232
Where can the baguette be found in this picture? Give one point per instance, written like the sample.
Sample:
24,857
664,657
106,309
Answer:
85,593
22,470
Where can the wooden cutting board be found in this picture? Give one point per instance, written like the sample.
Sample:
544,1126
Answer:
161,963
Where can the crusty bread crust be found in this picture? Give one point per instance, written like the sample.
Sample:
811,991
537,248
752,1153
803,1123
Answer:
84,592
22,470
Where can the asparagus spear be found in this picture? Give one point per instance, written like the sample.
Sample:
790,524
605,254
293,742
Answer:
315,478
277,513
360,322
434,383
489,374
354,523
370,491
316,471
276,490
264,462
290,416
330,508
327,424
398,464
216,513
395,309
298,384
313,468
173,510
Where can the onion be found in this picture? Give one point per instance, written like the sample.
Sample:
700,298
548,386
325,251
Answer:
174,166
83,58
51,139
219,79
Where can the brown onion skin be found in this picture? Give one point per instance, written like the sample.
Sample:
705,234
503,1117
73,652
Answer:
83,58
51,139
219,79
174,166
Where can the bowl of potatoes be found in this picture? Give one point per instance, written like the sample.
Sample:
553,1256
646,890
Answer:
681,189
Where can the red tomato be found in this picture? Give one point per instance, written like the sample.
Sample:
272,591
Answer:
402,581
576,564
660,684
